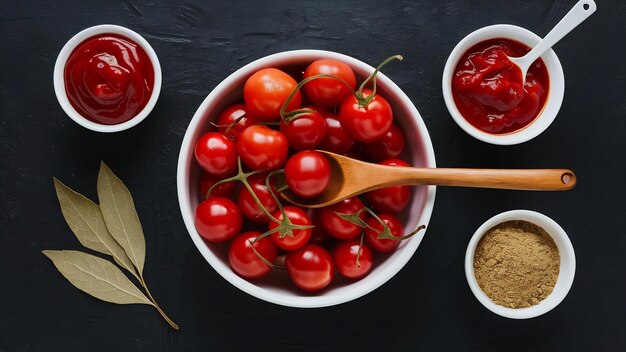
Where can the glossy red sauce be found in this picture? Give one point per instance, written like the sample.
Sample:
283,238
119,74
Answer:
487,88
109,79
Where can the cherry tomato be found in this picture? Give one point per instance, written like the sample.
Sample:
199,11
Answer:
390,199
305,132
319,236
307,173
218,219
336,139
384,245
229,116
246,202
300,237
223,190
345,256
216,154
310,268
328,91
355,152
366,124
338,227
245,262
262,148
388,147
265,92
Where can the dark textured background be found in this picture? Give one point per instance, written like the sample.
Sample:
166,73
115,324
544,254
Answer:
428,305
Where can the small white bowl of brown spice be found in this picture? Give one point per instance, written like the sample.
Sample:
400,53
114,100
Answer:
520,264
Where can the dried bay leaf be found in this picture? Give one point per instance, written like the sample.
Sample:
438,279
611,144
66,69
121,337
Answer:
97,277
84,218
111,228
120,216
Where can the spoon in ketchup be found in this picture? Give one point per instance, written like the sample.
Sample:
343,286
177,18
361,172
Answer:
579,13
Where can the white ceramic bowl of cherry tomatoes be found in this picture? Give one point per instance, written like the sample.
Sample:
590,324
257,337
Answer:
263,121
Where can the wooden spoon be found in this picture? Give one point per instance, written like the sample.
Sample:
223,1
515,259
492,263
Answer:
350,177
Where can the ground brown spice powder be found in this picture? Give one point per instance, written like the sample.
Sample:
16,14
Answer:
516,264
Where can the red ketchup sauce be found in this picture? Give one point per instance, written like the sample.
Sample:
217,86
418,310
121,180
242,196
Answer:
487,88
109,79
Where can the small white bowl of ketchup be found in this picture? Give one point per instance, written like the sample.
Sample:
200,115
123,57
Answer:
486,97
107,78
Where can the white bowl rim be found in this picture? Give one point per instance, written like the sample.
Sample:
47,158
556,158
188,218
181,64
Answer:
564,281
59,77
226,272
555,93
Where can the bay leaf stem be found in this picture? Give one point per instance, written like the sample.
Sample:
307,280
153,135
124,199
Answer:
156,305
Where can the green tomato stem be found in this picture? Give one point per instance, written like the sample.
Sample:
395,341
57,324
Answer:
263,259
364,101
287,116
243,178
358,254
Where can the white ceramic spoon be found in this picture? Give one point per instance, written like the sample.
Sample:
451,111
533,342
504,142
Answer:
579,13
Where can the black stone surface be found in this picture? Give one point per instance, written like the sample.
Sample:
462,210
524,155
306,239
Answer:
428,305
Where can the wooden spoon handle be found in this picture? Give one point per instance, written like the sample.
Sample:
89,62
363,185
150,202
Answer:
521,179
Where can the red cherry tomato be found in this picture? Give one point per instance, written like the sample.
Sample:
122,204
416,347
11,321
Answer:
300,237
265,92
216,154
390,199
345,256
319,236
328,91
384,245
305,132
338,227
366,124
218,219
355,152
245,262
229,116
246,202
336,140
223,190
307,173
262,148
310,268
388,147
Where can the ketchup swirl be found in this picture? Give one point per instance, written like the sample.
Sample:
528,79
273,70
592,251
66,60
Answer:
488,91
109,79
